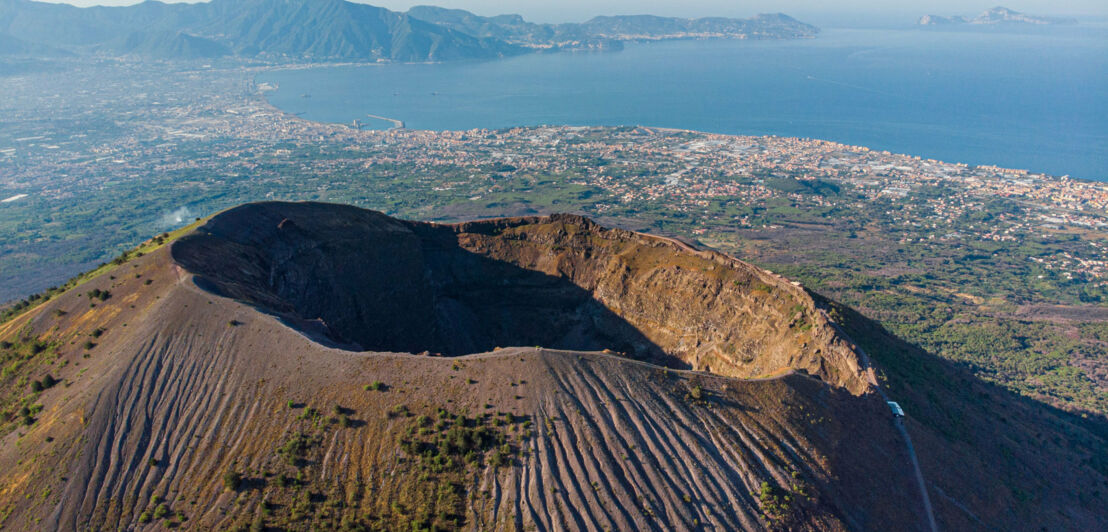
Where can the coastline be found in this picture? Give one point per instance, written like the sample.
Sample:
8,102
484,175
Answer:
400,125
1049,142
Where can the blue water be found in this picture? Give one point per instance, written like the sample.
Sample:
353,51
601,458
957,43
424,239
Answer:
1037,101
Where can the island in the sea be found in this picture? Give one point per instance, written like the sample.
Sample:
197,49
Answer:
994,16
337,30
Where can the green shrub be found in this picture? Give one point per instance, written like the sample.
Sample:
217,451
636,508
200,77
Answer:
97,293
232,480
775,503
296,447
696,392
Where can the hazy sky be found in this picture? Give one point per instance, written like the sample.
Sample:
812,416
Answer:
846,12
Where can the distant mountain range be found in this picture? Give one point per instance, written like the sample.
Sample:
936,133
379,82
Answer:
611,32
996,15
337,30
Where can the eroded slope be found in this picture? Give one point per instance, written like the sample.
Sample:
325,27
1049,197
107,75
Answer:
168,405
198,387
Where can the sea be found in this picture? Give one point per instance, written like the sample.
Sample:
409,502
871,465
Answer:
1034,100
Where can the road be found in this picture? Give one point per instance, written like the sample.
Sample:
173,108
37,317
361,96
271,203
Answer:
899,422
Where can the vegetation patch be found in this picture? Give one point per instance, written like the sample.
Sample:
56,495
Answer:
445,450
232,480
426,489
295,448
776,503
98,294
23,358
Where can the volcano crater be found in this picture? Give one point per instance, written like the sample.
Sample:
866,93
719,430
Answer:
363,281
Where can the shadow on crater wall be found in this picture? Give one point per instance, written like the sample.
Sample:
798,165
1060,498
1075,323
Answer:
369,282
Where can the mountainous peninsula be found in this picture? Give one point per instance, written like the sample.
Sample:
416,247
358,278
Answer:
995,16
337,30
302,366
610,31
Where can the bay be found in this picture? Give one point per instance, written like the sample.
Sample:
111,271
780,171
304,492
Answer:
1030,100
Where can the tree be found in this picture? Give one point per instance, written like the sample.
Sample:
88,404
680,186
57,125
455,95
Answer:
232,480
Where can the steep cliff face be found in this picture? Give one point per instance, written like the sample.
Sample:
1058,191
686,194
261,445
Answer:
561,281
709,311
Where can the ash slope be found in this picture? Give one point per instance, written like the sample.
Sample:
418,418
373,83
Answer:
185,386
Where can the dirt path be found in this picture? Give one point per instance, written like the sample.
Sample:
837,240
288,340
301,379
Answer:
911,450
919,474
